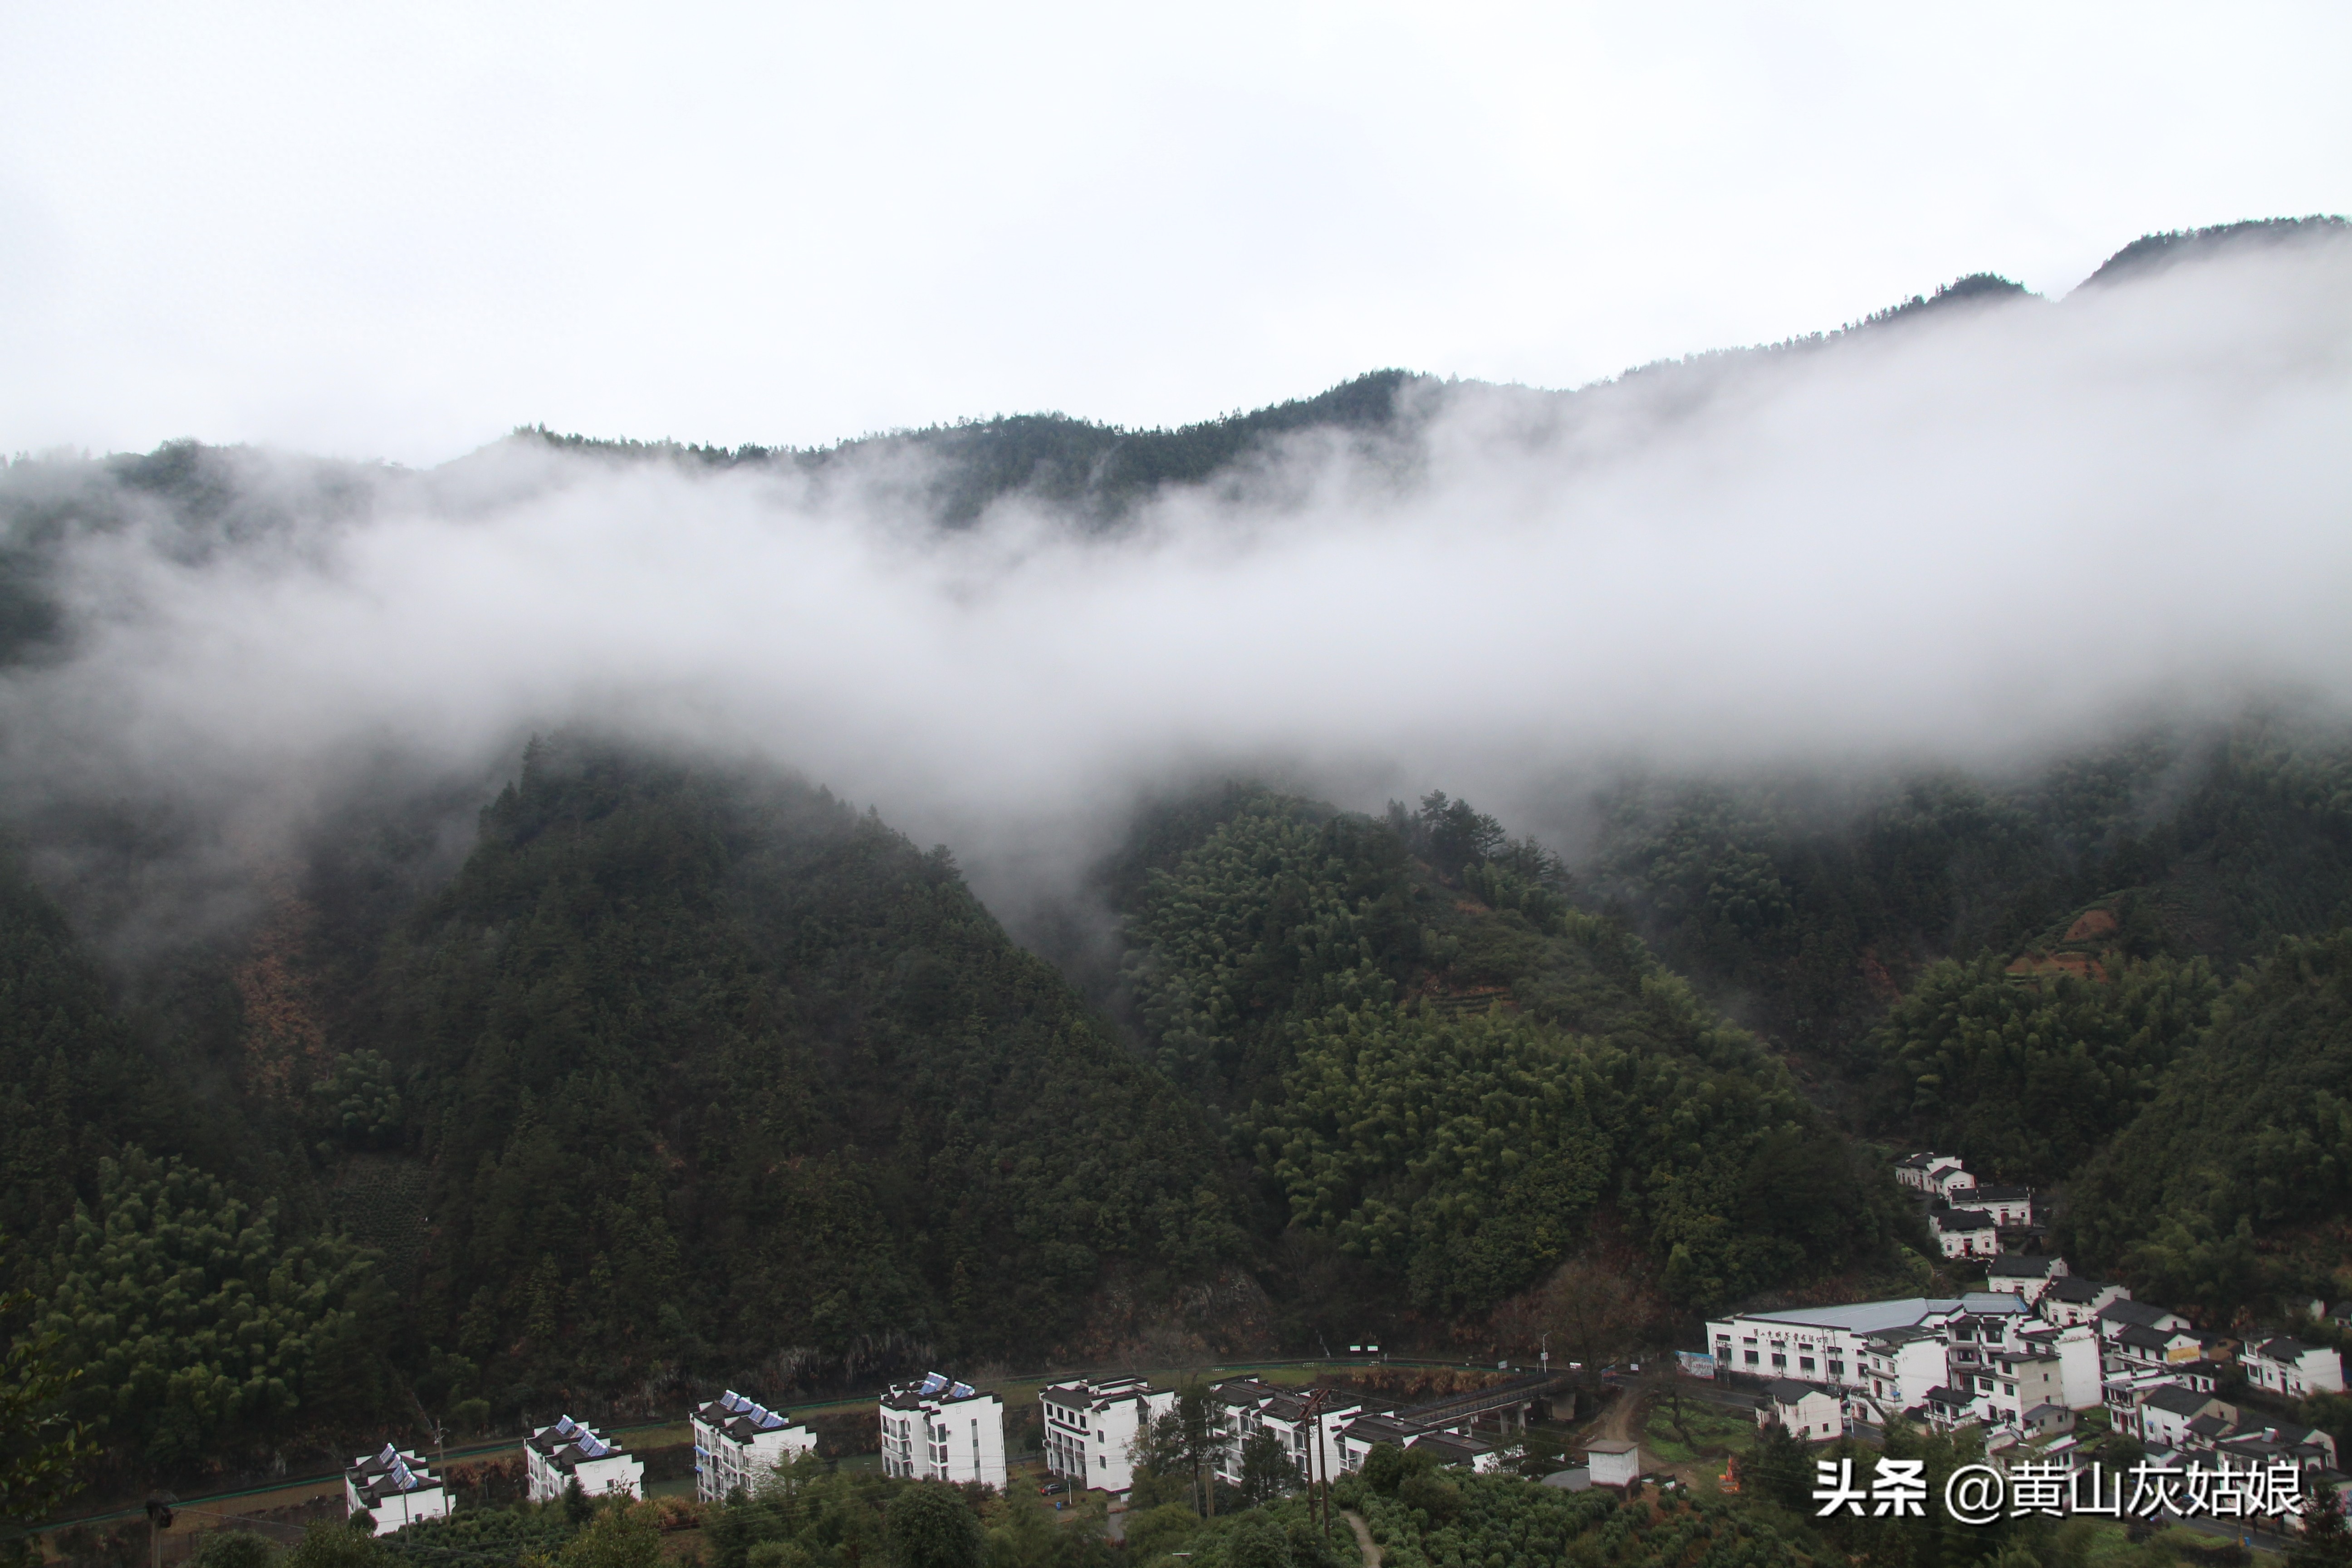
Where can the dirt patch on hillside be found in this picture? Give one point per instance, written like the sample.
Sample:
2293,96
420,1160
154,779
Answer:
2092,925
2041,965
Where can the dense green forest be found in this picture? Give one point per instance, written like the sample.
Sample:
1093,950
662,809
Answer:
2210,1195
1450,1071
1806,904
711,1068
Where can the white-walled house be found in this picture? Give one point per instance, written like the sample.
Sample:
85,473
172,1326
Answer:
2290,1368
1091,1428
395,1487
554,1457
2164,1417
1806,1412
2011,1208
2071,1299
942,1430
1965,1233
2125,1313
738,1442
2029,1279
1938,1175
2134,1346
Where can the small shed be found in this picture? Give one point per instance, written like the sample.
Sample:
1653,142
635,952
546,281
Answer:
1810,1413
1576,1480
1613,1464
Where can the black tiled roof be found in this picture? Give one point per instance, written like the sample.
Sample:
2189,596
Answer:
2286,1348
2076,1288
2178,1400
2138,1314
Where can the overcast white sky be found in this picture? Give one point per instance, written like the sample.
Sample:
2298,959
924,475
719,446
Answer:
399,230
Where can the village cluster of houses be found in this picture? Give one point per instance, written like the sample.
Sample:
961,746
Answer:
1969,1220
736,1441
2023,1357
938,1429
941,1429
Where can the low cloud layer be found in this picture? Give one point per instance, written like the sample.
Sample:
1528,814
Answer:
1963,537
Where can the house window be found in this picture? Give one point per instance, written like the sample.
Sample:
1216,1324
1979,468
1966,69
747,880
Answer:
1837,1367
1751,1358
1805,1363
1780,1361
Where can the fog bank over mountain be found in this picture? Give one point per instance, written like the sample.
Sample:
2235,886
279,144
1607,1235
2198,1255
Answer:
1966,534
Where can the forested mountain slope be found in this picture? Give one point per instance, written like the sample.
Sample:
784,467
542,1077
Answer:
2231,1189
689,1073
711,1070
1807,903
1446,1071
2064,974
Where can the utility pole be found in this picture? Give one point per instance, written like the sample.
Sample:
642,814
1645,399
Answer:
159,1519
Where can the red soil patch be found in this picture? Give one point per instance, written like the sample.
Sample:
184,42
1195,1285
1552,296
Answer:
2034,965
2094,924
1873,974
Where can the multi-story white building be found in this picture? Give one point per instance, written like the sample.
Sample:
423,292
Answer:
738,1442
2081,1369
1824,1344
554,1457
1357,1436
942,1430
1091,1429
1360,1435
1249,1406
1900,1367
2293,1369
393,1487
2010,1383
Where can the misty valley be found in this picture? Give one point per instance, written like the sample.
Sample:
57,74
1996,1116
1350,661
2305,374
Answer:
1437,895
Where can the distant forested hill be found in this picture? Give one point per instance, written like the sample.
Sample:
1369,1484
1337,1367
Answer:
1810,903
1094,471
2117,974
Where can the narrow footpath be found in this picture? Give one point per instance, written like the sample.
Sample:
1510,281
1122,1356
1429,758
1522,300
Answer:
1364,1542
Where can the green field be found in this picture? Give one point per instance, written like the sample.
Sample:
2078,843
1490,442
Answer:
1713,1432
